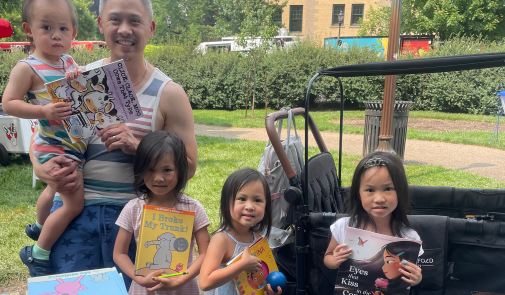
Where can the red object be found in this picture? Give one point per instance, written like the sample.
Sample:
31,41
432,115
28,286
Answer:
5,29
416,45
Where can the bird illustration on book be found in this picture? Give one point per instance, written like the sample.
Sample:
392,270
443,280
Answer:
361,242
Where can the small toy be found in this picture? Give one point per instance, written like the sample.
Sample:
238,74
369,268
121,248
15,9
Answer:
276,279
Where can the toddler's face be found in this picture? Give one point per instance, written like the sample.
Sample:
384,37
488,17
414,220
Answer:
248,207
51,27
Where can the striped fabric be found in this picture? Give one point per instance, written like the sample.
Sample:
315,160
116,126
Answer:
52,139
108,176
130,219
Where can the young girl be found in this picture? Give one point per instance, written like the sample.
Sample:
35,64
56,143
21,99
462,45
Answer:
51,25
161,172
379,201
246,212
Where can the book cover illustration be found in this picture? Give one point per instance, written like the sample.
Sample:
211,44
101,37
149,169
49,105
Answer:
373,265
254,283
99,97
164,240
90,282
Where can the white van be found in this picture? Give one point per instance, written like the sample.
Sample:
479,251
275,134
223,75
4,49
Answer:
228,44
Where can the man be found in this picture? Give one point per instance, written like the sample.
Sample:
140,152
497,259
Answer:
88,241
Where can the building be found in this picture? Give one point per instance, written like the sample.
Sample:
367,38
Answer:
318,18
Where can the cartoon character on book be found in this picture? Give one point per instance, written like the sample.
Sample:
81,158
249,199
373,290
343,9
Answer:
68,288
98,278
384,276
258,279
166,243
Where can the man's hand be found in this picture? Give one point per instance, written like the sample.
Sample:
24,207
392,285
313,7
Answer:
119,136
56,111
60,173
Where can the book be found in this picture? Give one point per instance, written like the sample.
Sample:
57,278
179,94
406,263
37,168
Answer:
164,240
372,267
254,283
88,282
99,97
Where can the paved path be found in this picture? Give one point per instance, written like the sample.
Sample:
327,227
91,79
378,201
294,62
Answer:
485,161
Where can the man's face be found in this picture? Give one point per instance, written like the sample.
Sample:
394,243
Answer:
127,28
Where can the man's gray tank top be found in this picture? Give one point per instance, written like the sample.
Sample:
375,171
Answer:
230,288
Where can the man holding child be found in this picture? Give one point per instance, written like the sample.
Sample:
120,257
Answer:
88,241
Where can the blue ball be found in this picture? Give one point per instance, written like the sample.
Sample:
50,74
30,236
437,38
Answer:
276,279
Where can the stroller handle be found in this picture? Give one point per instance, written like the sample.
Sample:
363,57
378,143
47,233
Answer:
276,141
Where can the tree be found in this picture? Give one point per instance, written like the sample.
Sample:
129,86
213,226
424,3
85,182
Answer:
10,10
86,20
444,18
248,20
191,20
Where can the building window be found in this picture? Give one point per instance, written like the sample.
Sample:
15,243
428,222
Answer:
357,13
277,17
295,18
337,8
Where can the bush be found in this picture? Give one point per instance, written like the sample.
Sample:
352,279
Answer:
219,81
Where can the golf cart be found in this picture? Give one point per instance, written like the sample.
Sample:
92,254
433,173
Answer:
463,230
15,136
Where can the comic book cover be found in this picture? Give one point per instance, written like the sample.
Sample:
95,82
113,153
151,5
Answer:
88,282
373,265
254,283
164,240
99,97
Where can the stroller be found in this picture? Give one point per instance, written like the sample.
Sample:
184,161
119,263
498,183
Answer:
317,199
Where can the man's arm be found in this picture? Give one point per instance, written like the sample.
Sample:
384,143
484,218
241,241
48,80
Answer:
52,173
177,117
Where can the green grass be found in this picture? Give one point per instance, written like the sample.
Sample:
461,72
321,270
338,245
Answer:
218,157
325,122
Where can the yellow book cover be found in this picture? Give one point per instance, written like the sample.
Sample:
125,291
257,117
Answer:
254,283
164,239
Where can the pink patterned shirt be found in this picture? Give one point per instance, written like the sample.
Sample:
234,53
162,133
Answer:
130,219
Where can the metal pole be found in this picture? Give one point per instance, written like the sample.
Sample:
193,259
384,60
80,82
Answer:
385,137
168,35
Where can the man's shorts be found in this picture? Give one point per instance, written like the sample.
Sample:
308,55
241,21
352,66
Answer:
88,241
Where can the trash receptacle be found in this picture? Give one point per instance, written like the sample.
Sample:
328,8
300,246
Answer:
373,120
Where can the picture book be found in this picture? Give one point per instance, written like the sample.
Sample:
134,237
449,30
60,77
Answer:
254,283
99,97
373,265
164,240
89,282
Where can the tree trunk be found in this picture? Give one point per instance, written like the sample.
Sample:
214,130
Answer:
266,94
247,97
254,91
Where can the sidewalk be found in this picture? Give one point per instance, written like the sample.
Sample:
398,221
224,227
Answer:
474,159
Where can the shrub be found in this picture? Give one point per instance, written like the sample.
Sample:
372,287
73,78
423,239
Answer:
219,81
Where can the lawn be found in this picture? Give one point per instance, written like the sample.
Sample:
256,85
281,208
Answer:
324,121
218,157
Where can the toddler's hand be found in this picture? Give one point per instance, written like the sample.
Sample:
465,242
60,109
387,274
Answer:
411,273
56,111
250,263
71,75
340,255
